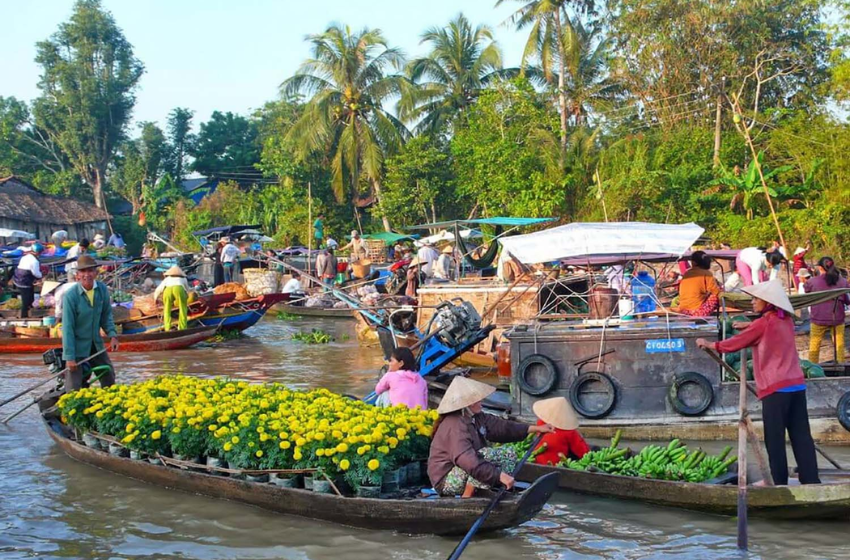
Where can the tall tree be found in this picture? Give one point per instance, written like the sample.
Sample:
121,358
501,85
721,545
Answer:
180,140
587,84
462,60
88,83
547,41
140,165
345,116
227,147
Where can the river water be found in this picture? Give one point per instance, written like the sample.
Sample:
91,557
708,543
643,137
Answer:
54,507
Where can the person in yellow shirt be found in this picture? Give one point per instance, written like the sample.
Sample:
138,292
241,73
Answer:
174,289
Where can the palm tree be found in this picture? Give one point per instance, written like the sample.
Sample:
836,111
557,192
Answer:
586,83
547,41
345,116
462,61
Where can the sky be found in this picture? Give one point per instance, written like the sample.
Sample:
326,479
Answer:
230,55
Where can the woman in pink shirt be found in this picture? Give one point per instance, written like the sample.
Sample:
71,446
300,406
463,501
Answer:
780,383
403,382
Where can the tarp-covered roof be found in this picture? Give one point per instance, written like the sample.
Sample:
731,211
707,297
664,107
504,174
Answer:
596,238
496,221
224,230
389,237
605,260
22,202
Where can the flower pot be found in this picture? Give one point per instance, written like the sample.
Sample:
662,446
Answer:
196,460
91,441
368,491
237,476
414,473
118,450
285,480
154,461
402,476
308,483
257,477
390,481
322,486
218,463
137,455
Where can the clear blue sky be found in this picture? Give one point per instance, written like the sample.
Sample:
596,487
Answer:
229,55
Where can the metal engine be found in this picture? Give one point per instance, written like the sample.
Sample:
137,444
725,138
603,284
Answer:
455,322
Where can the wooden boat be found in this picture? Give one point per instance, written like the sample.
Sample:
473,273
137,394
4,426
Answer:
304,311
147,342
443,516
830,500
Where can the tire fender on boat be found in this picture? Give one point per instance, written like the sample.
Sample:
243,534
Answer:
608,388
702,385
843,410
537,375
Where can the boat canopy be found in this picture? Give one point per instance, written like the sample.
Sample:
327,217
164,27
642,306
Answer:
607,260
446,235
598,238
496,221
225,230
388,237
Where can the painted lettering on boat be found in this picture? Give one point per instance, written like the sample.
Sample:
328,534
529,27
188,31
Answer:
665,345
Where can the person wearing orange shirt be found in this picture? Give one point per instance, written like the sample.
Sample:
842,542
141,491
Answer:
565,441
699,294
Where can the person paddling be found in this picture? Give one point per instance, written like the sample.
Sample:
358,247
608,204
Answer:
460,459
780,383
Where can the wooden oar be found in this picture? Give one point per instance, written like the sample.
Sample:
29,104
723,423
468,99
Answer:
735,375
480,521
52,377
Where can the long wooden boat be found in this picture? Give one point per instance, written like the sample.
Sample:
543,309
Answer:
442,516
829,500
304,311
146,342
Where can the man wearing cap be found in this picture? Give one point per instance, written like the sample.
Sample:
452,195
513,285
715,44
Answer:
74,253
174,289
26,274
86,310
565,441
460,460
358,247
229,257
780,383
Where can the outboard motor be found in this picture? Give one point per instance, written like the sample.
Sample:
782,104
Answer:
454,323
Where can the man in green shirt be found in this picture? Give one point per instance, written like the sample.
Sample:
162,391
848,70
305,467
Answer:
86,309
319,230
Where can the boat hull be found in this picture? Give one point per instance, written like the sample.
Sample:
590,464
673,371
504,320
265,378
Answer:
813,501
151,342
445,516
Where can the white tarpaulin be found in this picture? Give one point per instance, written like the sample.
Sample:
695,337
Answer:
587,239
15,233
447,235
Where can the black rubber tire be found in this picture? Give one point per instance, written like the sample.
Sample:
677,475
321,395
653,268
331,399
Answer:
843,410
690,377
606,381
550,375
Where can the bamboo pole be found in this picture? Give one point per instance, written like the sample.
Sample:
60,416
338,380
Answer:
310,232
742,455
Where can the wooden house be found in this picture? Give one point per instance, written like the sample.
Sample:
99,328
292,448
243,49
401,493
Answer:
24,207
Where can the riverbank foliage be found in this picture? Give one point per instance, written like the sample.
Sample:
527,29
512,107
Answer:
638,111
254,426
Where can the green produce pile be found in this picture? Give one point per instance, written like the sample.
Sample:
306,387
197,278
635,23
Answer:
521,447
673,462
810,370
121,297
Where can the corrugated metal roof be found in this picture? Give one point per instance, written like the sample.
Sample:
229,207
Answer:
21,201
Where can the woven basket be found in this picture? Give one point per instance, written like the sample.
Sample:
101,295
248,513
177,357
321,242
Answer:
259,281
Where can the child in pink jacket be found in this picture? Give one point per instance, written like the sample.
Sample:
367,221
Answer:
403,382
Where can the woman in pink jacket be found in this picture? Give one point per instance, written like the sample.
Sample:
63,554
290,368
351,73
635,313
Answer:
402,382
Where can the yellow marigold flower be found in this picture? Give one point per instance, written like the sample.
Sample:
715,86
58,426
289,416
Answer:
373,464
264,437
130,427
228,446
285,445
320,453
234,440
342,447
344,464
156,435
259,453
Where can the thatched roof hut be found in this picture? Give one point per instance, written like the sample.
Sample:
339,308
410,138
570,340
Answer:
24,207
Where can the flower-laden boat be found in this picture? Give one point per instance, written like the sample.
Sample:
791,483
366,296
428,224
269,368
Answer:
257,430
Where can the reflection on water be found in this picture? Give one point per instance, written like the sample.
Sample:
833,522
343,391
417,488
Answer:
53,507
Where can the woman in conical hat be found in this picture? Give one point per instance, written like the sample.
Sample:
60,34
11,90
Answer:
460,459
566,441
174,290
780,383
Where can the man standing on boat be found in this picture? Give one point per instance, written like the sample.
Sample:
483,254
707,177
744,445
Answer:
26,274
86,309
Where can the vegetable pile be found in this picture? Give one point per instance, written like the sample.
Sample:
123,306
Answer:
254,426
315,336
671,462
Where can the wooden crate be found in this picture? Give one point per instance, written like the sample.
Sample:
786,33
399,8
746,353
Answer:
376,250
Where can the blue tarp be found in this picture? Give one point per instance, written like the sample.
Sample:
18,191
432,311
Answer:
495,221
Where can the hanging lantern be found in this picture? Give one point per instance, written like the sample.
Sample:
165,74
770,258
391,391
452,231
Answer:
142,219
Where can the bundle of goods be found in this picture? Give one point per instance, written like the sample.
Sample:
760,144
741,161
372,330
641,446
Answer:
368,294
671,462
259,281
232,287
254,427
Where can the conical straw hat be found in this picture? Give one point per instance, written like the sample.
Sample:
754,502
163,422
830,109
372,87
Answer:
49,286
771,292
448,249
175,271
462,393
556,411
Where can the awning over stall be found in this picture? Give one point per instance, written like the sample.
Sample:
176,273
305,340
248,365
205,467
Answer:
597,238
